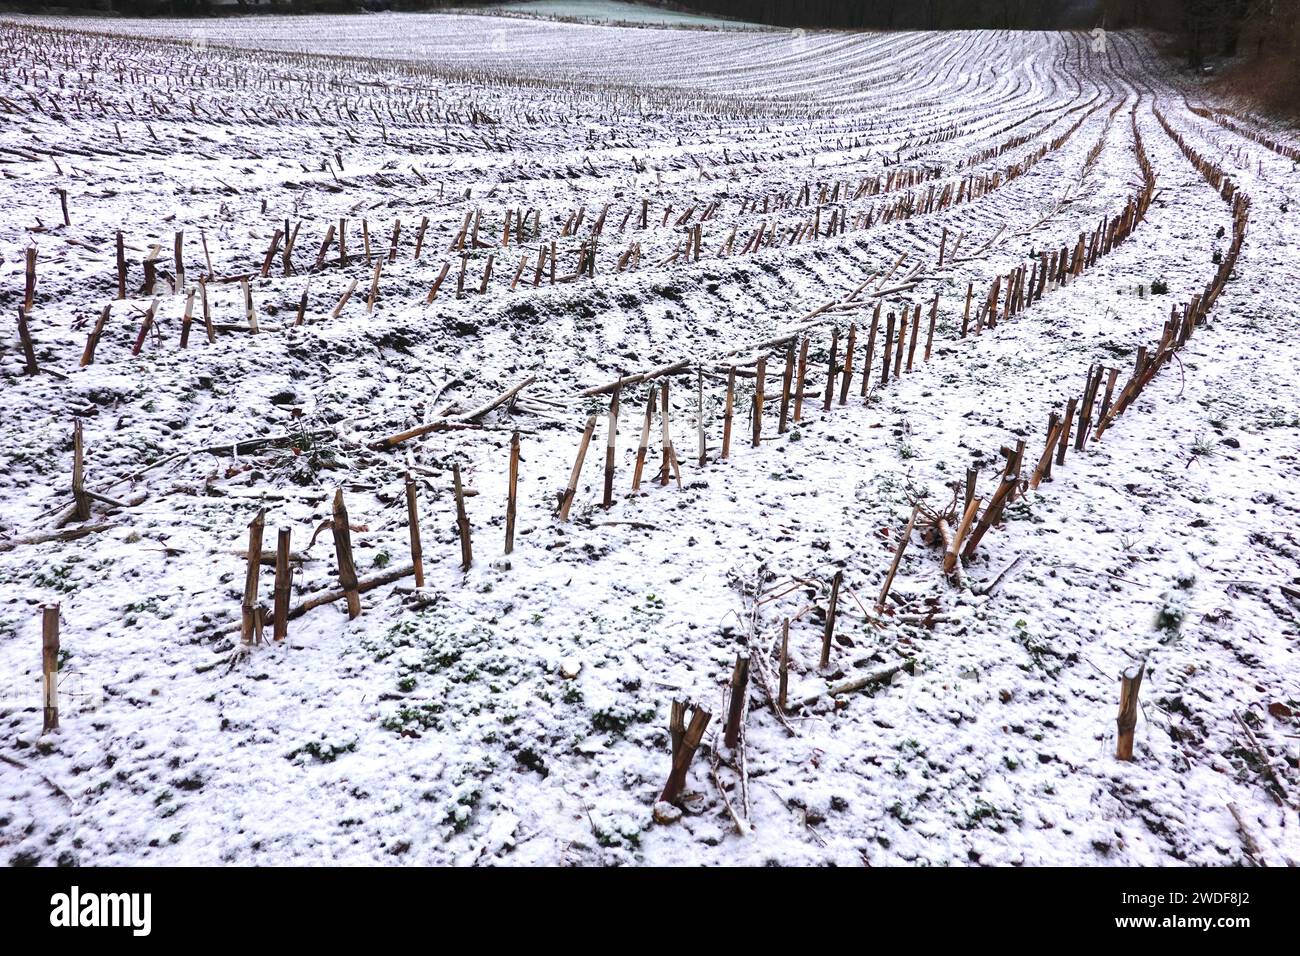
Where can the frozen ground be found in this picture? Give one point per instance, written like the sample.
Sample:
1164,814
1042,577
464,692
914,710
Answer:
517,713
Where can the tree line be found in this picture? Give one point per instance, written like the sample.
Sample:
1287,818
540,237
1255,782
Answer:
1206,29
907,14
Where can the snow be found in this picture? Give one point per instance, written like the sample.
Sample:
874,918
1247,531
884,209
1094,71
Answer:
517,713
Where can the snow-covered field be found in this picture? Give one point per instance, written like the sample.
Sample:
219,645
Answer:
729,188
614,11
